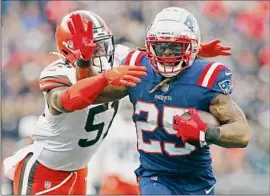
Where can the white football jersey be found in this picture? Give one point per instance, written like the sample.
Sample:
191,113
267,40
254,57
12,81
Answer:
72,138
118,154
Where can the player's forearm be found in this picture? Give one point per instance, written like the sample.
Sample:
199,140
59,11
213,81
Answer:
82,73
84,69
231,135
111,93
234,130
78,96
83,93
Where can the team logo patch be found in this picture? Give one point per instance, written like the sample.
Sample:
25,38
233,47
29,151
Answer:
226,86
47,184
165,88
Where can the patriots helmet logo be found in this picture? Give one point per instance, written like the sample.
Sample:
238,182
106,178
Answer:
190,22
226,86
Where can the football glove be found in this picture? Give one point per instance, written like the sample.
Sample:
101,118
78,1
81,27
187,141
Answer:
213,49
83,41
192,129
125,75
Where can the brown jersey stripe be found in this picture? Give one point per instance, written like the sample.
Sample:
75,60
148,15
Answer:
56,77
48,87
55,80
50,82
23,172
31,178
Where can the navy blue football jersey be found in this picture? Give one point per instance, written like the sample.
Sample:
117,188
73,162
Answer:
159,147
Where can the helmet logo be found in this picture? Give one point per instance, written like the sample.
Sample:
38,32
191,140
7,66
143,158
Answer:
190,22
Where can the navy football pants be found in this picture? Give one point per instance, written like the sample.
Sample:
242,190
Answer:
161,186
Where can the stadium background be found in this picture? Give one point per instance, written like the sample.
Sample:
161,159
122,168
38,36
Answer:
28,37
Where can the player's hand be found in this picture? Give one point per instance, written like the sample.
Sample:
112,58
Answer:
125,75
192,129
83,41
213,49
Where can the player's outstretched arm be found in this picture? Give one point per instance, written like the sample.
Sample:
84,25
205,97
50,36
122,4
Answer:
86,91
111,93
115,92
234,130
76,97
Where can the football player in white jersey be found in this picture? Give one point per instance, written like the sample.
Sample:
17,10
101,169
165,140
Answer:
72,126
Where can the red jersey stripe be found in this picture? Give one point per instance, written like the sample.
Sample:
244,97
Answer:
139,58
203,74
214,76
127,62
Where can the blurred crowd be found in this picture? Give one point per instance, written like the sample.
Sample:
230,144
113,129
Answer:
28,38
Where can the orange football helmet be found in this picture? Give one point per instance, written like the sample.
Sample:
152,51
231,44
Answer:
104,53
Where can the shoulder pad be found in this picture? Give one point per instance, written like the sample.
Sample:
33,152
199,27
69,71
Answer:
57,74
121,52
209,74
135,57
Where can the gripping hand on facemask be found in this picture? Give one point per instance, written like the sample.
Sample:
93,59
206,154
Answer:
213,49
83,41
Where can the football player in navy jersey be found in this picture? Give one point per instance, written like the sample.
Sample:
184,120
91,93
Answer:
174,152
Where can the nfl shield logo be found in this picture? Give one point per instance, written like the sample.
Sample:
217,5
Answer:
165,88
47,184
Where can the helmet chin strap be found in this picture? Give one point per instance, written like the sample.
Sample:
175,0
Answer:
58,54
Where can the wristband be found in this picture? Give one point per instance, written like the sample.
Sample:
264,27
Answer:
212,134
83,63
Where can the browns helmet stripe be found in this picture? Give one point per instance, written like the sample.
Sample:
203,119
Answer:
103,23
93,18
97,22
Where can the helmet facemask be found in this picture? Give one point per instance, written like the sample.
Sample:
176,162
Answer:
103,57
175,30
170,55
